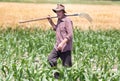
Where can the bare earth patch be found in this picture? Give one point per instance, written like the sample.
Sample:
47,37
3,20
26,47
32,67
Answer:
104,16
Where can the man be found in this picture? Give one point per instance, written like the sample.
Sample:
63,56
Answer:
64,38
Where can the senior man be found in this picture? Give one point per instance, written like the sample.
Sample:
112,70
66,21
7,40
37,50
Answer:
64,39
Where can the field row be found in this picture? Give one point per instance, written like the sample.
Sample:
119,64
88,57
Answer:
23,56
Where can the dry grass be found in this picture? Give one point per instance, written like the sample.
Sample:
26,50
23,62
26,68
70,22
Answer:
104,16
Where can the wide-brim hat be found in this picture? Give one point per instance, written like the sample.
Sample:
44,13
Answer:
59,7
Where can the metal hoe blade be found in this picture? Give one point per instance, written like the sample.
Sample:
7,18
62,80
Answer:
85,15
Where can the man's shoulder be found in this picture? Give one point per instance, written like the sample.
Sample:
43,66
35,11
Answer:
67,19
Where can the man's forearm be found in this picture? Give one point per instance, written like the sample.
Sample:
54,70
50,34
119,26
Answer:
60,46
64,41
52,24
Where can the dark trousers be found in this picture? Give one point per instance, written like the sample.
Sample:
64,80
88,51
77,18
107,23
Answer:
64,56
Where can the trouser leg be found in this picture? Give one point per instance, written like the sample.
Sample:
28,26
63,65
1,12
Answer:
52,58
66,58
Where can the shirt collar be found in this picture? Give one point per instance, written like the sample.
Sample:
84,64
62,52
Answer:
63,19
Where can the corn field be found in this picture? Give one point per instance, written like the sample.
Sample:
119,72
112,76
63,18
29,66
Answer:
24,53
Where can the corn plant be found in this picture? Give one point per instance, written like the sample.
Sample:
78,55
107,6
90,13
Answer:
24,52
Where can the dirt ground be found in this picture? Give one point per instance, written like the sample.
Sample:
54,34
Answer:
104,16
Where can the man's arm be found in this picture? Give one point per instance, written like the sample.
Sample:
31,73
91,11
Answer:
60,46
51,22
69,29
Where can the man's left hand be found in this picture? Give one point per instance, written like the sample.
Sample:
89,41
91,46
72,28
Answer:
60,46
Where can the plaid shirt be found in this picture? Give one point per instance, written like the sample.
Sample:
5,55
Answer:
64,29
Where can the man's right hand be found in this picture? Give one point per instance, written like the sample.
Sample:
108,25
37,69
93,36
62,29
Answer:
49,18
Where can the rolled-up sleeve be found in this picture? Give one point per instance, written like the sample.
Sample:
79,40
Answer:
69,29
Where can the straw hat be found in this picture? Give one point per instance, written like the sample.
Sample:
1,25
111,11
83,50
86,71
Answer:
59,7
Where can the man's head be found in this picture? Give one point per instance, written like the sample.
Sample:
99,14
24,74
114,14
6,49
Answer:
60,10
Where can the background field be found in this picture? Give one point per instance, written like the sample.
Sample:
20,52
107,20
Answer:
67,1
104,16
